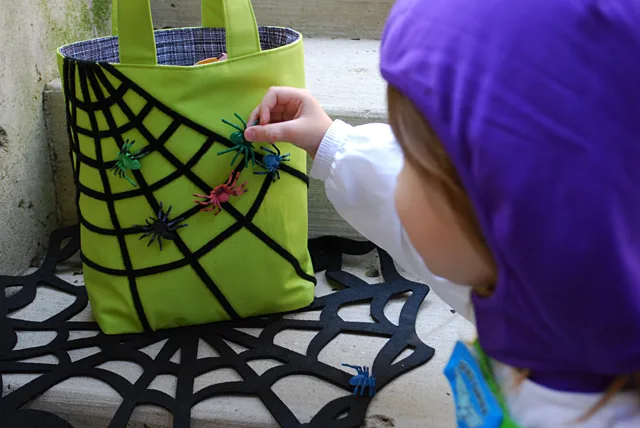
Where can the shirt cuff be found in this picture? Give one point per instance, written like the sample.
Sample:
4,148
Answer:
331,143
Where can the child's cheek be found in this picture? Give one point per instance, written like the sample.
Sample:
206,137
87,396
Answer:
421,219
406,207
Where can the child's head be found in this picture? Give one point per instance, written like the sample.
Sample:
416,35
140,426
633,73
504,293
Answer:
520,123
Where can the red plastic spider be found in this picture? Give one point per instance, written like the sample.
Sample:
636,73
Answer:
221,194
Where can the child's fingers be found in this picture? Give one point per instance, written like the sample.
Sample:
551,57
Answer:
280,99
263,111
254,116
275,103
271,133
268,103
275,115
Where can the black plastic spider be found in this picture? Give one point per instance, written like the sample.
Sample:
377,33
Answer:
161,227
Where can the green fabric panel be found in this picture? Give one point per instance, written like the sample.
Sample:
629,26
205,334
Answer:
135,33
111,301
190,300
280,212
202,229
100,212
213,14
272,283
235,85
240,24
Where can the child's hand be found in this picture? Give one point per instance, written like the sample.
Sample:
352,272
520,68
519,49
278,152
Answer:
289,115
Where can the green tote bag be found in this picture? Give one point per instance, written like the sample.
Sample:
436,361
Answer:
182,221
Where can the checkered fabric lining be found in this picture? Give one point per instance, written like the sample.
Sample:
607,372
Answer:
182,46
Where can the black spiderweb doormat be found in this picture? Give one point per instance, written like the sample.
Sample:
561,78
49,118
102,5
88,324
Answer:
18,292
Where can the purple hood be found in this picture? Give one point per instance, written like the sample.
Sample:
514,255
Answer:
538,104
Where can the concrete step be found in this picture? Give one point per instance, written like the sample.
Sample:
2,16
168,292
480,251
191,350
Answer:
348,19
343,74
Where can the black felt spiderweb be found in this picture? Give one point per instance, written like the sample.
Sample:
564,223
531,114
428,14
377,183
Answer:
346,411
100,90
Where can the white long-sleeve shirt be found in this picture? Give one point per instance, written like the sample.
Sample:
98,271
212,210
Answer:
360,166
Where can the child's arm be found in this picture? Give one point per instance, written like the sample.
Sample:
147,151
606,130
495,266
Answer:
359,166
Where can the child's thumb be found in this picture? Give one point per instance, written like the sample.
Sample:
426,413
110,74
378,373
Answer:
271,133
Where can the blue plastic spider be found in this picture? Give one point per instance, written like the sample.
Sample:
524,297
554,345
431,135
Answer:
271,162
362,380
240,144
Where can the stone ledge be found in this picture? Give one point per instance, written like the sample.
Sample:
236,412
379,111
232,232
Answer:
343,74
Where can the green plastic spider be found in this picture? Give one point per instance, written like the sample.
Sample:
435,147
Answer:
241,145
127,161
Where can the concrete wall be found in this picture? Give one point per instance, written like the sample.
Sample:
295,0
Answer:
30,32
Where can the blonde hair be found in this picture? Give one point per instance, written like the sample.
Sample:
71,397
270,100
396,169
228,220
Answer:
423,150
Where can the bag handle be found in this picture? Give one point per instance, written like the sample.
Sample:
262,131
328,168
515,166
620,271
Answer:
132,23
